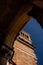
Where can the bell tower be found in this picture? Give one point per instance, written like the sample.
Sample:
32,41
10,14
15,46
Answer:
24,50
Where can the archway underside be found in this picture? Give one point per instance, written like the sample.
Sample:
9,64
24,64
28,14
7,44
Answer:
13,16
21,18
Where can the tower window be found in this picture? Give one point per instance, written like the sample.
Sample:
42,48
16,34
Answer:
23,34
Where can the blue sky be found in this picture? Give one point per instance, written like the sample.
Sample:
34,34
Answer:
36,32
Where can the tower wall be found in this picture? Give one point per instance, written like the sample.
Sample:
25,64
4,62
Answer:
24,55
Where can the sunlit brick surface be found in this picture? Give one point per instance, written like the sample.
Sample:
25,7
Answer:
23,55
